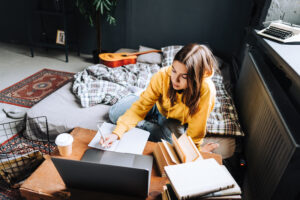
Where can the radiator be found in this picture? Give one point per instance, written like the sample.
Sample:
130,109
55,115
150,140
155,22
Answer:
269,143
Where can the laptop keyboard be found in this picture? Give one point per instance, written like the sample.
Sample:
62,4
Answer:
278,32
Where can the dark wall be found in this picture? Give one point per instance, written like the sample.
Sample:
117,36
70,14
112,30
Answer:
159,23
153,23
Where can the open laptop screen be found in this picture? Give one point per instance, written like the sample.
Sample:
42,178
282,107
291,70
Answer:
113,178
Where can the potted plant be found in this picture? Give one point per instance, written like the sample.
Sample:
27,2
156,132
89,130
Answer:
93,10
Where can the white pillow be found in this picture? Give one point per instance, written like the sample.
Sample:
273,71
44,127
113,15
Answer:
152,58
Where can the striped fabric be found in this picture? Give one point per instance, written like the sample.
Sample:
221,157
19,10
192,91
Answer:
223,120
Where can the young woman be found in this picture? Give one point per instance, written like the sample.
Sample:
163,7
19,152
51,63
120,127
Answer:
182,92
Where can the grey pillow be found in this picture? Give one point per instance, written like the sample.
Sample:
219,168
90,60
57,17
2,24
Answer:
152,58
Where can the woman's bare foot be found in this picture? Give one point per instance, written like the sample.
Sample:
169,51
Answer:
209,147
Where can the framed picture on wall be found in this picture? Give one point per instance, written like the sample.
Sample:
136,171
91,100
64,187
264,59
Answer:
60,37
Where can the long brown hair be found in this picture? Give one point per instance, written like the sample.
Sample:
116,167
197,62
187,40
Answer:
199,62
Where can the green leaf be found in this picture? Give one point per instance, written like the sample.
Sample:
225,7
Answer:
98,5
101,6
108,2
106,6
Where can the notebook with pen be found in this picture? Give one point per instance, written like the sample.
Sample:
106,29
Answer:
133,141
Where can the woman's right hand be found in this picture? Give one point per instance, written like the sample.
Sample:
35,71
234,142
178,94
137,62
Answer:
109,140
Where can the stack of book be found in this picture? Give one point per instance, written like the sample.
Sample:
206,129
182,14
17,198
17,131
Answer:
202,179
183,150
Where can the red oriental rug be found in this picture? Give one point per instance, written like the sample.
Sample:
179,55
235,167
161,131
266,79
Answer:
34,88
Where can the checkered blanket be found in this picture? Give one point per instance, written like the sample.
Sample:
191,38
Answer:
223,120
100,84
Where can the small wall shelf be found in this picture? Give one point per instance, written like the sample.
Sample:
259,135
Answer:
58,13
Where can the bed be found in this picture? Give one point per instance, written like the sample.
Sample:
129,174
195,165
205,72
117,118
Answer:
65,111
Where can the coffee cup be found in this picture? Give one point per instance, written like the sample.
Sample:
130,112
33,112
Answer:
64,144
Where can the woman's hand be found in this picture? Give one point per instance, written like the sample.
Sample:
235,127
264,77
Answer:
209,147
109,140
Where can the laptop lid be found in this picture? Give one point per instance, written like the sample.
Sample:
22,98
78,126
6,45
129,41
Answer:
100,170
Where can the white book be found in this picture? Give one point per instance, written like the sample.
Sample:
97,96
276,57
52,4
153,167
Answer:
198,178
236,190
133,141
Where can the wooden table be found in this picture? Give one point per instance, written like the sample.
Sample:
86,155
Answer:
45,183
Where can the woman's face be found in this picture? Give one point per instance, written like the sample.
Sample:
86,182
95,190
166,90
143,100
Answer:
179,75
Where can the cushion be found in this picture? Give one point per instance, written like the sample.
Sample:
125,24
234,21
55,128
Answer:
169,53
223,120
63,114
152,58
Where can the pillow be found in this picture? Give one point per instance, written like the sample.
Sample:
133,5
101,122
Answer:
223,120
152,58
169,53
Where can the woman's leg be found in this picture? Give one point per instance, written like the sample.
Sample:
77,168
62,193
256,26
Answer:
118,109
164,128
121,106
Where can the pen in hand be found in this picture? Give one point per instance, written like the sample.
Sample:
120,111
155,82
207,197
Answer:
102,139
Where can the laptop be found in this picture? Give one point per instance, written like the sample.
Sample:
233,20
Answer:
107,171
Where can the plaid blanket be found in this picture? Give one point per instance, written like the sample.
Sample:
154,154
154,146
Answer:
100,84
223,120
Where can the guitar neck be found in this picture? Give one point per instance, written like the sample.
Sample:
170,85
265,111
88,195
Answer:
143,52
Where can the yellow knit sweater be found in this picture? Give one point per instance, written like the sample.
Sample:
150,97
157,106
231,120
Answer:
156,92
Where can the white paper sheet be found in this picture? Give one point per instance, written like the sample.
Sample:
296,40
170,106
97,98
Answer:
133,141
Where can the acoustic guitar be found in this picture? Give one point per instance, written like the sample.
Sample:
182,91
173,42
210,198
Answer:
119,59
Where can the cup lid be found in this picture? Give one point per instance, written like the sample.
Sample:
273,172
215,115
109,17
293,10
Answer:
64,139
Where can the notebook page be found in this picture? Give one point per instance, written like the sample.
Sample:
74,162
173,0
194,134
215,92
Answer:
106,129
170,151
190,151
133,141
198,178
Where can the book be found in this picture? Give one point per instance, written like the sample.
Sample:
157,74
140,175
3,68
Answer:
169,194
183,150
133,141
235,190
199,178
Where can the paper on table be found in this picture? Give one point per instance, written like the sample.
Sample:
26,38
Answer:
133,141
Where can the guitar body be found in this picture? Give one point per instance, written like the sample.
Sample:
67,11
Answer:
119,59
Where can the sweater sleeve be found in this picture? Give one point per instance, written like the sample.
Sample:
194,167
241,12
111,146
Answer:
197,125
141,107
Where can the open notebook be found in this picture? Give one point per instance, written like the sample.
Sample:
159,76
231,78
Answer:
199,178
133,141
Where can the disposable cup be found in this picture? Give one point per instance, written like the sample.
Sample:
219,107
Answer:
64,144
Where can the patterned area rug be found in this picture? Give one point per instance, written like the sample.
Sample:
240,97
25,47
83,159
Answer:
35,87
26,93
